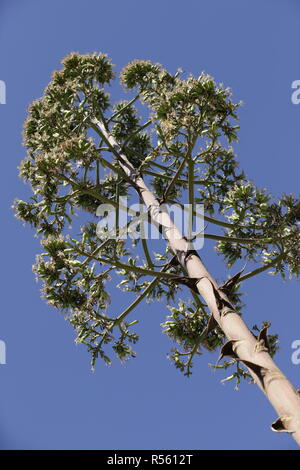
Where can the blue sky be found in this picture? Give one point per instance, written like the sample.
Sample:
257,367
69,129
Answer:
49,397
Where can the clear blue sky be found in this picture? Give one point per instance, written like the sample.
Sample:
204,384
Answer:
49,398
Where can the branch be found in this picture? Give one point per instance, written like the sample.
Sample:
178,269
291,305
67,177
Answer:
144,293
176,176
162,167
206,218
237,239
136,132
147,290
120,111
166,177
263,268
129,267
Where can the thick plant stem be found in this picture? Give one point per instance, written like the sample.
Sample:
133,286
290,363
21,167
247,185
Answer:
242,344
250,350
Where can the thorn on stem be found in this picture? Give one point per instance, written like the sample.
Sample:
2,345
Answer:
282,424
227,350
262,343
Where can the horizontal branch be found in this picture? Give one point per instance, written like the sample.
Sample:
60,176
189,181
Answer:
129,267
179,180
237,239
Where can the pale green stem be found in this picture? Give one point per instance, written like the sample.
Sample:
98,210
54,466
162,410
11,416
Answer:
120,111
262,269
